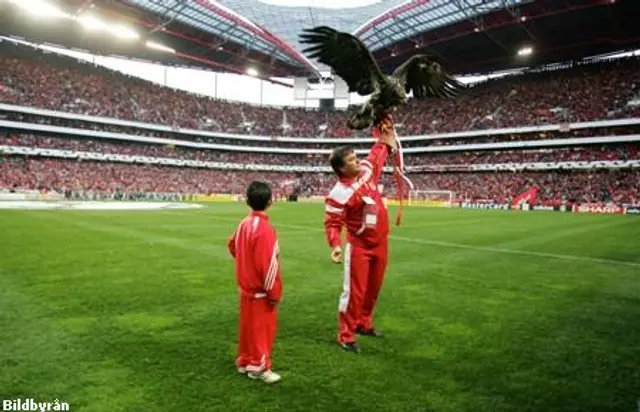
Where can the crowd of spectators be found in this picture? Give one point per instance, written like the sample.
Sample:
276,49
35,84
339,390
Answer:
60,175
623,151
555,186
621,186
161,151
592,91
603,131
591,153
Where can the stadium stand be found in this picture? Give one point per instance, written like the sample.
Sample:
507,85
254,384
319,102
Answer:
542,113
592,91
624,151
16,114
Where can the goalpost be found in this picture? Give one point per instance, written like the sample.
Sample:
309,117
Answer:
437,198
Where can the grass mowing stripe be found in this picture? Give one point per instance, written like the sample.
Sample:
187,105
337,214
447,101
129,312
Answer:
478,248
153,327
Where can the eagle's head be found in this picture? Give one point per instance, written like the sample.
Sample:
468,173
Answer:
431,67
399,90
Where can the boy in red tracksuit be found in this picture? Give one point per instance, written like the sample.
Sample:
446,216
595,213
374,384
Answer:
356,202
254,246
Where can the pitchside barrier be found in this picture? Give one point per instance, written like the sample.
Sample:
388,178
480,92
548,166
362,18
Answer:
593,208
423,203
215,198
82,195
26,195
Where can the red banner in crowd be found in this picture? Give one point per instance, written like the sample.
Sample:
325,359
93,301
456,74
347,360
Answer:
529,196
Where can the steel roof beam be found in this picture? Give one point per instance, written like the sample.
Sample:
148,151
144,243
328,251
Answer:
418,43
432,17
515,12
395,11
498,24
184,36
181,4
177,34
198,16
478,21
226,37
401,23
195,40
259,31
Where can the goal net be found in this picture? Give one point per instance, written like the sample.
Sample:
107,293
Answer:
437,198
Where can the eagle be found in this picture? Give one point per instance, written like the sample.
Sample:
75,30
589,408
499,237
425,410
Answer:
353,62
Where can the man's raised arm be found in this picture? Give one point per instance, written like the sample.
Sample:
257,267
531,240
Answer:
385,144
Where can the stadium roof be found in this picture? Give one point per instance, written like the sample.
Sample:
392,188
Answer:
272,27
469,36
287,18
377,23
554,30
414,18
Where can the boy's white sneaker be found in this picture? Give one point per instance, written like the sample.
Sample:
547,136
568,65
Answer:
267,376
242,370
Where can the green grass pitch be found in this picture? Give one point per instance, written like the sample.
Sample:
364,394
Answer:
483,311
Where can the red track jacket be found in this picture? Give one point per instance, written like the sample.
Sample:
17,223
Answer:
254,246
358,204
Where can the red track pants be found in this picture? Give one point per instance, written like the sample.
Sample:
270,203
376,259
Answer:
258,321
364,271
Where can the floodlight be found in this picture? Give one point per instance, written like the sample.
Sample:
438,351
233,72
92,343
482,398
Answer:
525,51
158,46
91,23
41,8
123,32
252,72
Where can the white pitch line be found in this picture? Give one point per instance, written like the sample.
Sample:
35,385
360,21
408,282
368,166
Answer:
464,246
517,252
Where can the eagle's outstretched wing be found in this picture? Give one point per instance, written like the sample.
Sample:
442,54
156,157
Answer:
426,78
346,55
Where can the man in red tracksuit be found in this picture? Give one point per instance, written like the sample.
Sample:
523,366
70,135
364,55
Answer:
356,202
254,246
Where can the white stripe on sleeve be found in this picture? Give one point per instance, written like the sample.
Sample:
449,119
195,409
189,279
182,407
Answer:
333,209
270,279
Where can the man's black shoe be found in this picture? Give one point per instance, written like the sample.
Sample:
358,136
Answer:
369,332
350,347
